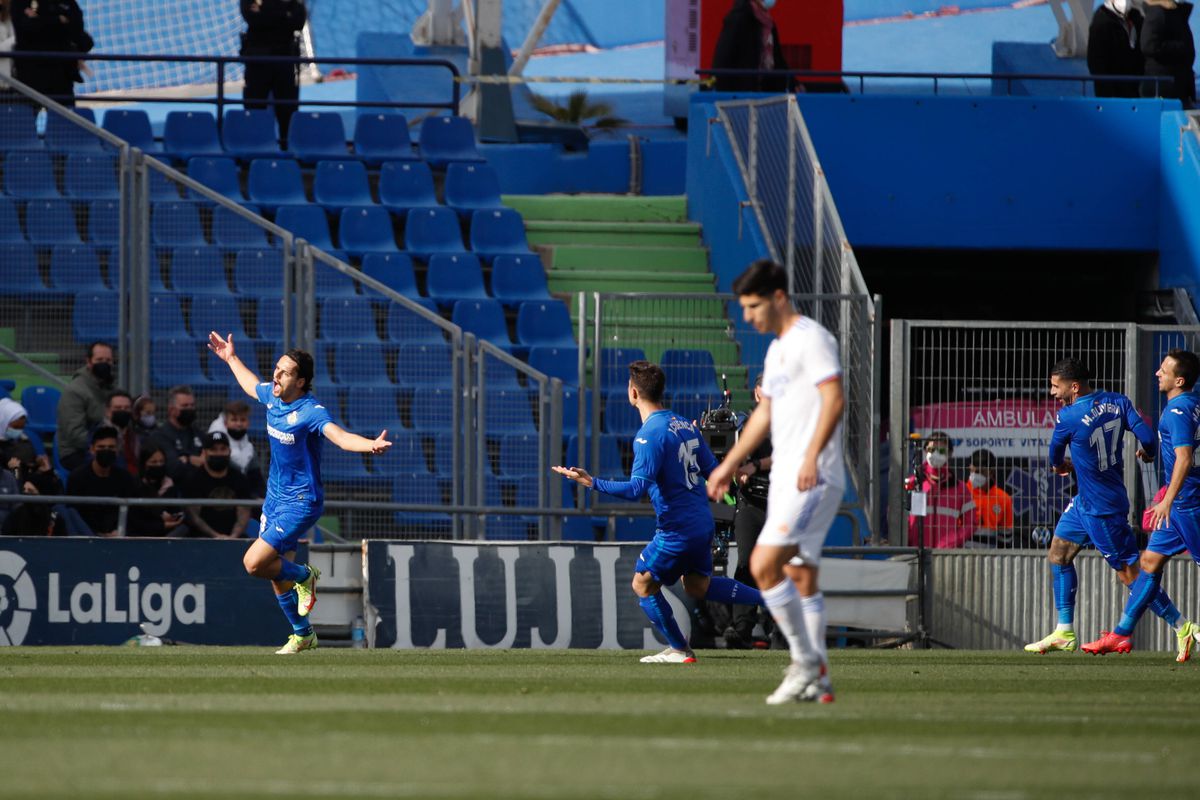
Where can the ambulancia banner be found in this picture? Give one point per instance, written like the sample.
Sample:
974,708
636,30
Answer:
484,595
62,591
1009,428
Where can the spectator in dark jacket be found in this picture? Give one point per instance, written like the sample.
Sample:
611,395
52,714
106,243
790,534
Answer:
81,406
101,477
153,482
1114,49
50,26
750,40
273,29
1169,51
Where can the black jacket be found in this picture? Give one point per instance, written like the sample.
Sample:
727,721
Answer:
57,27
740,46
1109,52
271,31
1169,50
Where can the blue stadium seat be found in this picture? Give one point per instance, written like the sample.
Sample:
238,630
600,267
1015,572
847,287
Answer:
405,326
485,319
50,222
371,409
634,529
519,279
361,364
430,231
341,184
382,137
519,455
275,182
10,225
29,175
445,139
472,187
232,231
21,274
91,176
133,126
611,465
177,361
557,362
191,133
508,411
508,527
64,136
176,224
547,324
499,374
250,133
420,489
581,529
404,186
41,408
347,319
690,371
307,222
217,312
329,282
162,187
258,273
18,128
498,232
104,223
692,405
620,418
166,318
366,230
451,278
75,268
425,364
570,414
217,173
317,136
94,316
614,366
198,270
433,410
394,270
342,466
443,453
406,456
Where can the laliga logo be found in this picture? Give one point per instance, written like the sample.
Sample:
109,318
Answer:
19,597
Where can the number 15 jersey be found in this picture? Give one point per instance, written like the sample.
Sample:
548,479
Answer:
1094,427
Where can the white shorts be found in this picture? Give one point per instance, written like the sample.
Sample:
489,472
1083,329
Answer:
800,519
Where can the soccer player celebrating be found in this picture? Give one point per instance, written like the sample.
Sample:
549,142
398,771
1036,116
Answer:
296,423
1092,423
801,409
1176,518
670,462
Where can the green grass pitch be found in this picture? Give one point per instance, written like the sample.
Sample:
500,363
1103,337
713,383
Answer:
181,722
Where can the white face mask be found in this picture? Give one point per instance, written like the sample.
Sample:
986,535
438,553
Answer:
769,4
936,460
978,480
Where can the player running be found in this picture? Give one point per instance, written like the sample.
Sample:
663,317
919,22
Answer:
670,462
1176,518
295,499
801,409
1092,423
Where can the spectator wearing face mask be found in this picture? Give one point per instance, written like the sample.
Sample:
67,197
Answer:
217,480
82,404
101,477
1113,47
993,505
750,40
118,412
153,482
949,519
178,436
16,446
235,421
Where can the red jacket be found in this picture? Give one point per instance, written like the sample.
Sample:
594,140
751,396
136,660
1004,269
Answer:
949,511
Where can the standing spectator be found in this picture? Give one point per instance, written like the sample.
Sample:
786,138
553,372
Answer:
949,517
1169,51
101,477
1113,47
993,505
8,40
235,421
81,406
178,437
750,40
273,29
217,480
153,482
118,412
50,26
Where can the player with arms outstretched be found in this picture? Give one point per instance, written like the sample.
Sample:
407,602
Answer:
1092,424
670,462
296,423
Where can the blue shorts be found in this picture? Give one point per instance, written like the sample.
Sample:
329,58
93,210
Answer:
1109,533
1182,534
670,556
283,527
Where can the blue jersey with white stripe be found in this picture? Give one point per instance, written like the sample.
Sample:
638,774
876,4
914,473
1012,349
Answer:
295,432
1094,427
670,462
1179,426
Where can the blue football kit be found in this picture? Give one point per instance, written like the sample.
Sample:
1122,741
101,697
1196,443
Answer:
1179,426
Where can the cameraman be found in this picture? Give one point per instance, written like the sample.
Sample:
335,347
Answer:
27,477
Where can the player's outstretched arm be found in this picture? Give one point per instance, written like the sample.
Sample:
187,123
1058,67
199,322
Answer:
753,433
353,442
224,351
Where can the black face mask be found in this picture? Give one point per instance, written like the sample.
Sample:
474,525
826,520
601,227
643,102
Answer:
103,371
217,463
122,419
154,474
106,458
187,417
237,434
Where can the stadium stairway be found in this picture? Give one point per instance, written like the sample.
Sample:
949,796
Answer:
614,243
18,373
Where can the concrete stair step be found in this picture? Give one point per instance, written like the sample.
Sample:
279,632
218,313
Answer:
599,208
602,257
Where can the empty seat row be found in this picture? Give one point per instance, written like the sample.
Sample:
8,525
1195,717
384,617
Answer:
18,130
50,222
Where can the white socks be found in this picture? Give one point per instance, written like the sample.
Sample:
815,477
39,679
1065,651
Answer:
786,607
814,622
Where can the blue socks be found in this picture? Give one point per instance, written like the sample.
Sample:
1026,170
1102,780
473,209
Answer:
291,610
658,610
1161,605
1145,588
1066,584
727,590
290,571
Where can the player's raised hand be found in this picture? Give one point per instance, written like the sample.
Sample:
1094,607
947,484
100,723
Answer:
222,347
718,482
381,443
577,474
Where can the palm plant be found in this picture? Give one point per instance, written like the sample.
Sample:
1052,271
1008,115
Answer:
577,109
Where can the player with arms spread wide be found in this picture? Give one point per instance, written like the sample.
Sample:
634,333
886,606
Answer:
801,409
296,423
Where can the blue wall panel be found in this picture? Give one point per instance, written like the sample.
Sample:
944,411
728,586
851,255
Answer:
1179,204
